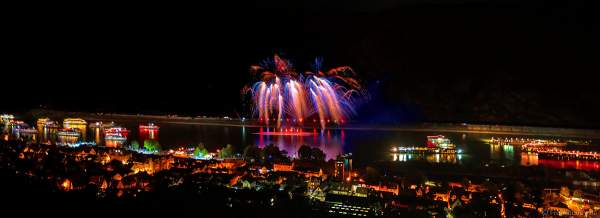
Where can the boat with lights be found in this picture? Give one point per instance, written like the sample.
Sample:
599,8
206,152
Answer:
437,144
149,126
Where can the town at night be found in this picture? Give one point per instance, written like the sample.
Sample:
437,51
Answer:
381,108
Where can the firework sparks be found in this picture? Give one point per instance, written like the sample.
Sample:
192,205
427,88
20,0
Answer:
283,97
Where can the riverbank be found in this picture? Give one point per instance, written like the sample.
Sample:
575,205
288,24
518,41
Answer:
419,127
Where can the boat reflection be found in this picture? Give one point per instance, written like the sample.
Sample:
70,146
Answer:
532,159
148,131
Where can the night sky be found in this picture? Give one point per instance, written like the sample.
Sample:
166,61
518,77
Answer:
515,62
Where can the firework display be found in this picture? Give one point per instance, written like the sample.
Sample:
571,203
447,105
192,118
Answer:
282,97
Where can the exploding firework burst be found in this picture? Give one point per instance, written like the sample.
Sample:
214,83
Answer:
285,98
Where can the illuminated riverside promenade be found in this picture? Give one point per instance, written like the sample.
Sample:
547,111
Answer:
349,125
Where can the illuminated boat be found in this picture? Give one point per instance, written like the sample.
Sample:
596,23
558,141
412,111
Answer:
68,137
435,145
76,123
101,125
69,132
424,150
115,137
46,123
17,124
117,130
542,145
529,141
6,118
149,126
439,141
28,131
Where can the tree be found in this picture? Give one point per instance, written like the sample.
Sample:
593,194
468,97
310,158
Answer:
226,152
317,154
151,145
135,145
118,166
252,152
577,193
307,153
273,154
304,152
372,174
200,151
417,178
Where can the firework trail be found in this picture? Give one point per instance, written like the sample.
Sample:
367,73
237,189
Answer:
283,97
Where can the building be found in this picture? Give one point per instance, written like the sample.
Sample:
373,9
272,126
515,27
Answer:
282,167
339,170
152,165
391,188
343,199
343,167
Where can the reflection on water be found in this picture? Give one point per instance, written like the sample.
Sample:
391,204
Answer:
115,143
531,159
32,137
67,138
146,133
97,134
47,130
503,153
509,152
48,134
577,164
367,146
331,142
514,154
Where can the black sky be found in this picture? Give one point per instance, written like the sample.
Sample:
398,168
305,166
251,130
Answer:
527,62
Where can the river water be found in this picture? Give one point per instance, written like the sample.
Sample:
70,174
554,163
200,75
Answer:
366,146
